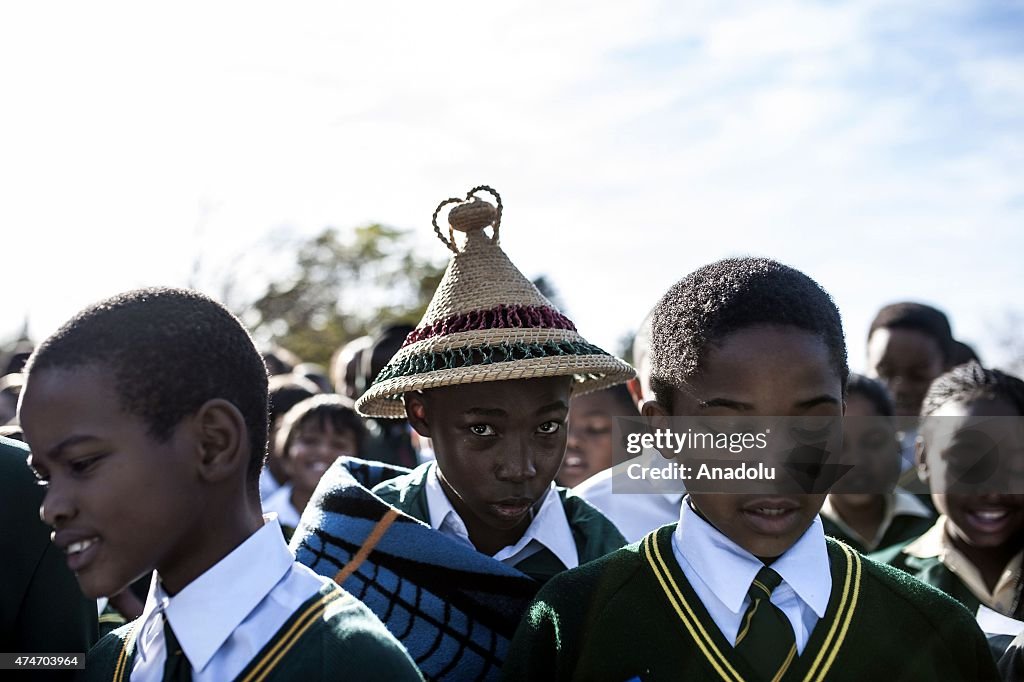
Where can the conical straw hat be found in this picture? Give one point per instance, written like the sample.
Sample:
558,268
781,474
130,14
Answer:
487,322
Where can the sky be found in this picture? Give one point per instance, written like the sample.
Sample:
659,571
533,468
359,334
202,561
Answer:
877,146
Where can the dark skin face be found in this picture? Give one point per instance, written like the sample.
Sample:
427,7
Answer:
987,527
762,371
872,451
498,447
589,447
123,503
906,361
313,449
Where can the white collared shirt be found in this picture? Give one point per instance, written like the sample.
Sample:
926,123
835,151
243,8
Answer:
280,503
634,514
549,527
223,618
900,503
720,572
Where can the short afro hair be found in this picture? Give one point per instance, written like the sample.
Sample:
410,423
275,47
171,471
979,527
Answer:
919,317
169,351
971,382
873,391
721,298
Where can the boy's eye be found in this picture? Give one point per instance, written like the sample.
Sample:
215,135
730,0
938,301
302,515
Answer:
83,464
549,427
482,430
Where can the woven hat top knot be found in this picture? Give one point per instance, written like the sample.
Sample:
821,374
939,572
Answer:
475,214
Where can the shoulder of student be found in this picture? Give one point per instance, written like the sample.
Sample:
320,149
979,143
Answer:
105,657
930,614
548,639
352,638
892,555
41,605
594,533
395,490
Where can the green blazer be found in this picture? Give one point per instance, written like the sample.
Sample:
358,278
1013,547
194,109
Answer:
632,615
593,534
42,609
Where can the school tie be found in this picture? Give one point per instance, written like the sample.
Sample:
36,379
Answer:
176,667
765,638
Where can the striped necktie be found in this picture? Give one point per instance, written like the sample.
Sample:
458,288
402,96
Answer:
176,667
766,638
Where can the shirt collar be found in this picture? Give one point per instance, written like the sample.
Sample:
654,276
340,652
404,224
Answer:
932,542
205,613
905,503
728,569
549,527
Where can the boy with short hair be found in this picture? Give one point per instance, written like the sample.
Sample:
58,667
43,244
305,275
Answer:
975,550
745,586
147,417
909,344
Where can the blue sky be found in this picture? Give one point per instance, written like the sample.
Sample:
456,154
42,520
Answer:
876,145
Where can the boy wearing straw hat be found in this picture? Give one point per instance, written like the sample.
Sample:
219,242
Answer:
488,375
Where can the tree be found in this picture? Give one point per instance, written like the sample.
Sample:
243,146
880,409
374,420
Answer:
344,285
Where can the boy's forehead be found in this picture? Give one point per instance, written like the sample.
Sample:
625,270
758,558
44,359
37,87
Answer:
537,393
60,402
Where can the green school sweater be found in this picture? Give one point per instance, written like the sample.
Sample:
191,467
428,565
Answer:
903,529
633,616
593,534
332,636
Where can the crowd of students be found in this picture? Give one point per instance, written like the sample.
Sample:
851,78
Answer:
440,504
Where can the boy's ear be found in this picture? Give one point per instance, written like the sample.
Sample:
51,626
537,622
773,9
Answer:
921,459
656,413
416,412
223,446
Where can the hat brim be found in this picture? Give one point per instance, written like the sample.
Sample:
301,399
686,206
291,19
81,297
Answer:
590,372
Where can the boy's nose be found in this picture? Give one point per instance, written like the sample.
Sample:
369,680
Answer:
517,464
56,508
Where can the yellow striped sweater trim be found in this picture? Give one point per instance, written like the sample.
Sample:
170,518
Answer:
693,625
122,658
284,644
844,614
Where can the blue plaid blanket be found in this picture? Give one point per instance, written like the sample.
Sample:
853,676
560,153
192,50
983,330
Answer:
453,608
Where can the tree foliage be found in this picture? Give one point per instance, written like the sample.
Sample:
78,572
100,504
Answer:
344,285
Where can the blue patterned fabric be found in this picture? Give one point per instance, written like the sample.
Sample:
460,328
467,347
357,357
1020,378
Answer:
453,608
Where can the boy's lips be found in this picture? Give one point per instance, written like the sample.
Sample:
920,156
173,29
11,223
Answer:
513,507
574,462
79,547
989,519
770,515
